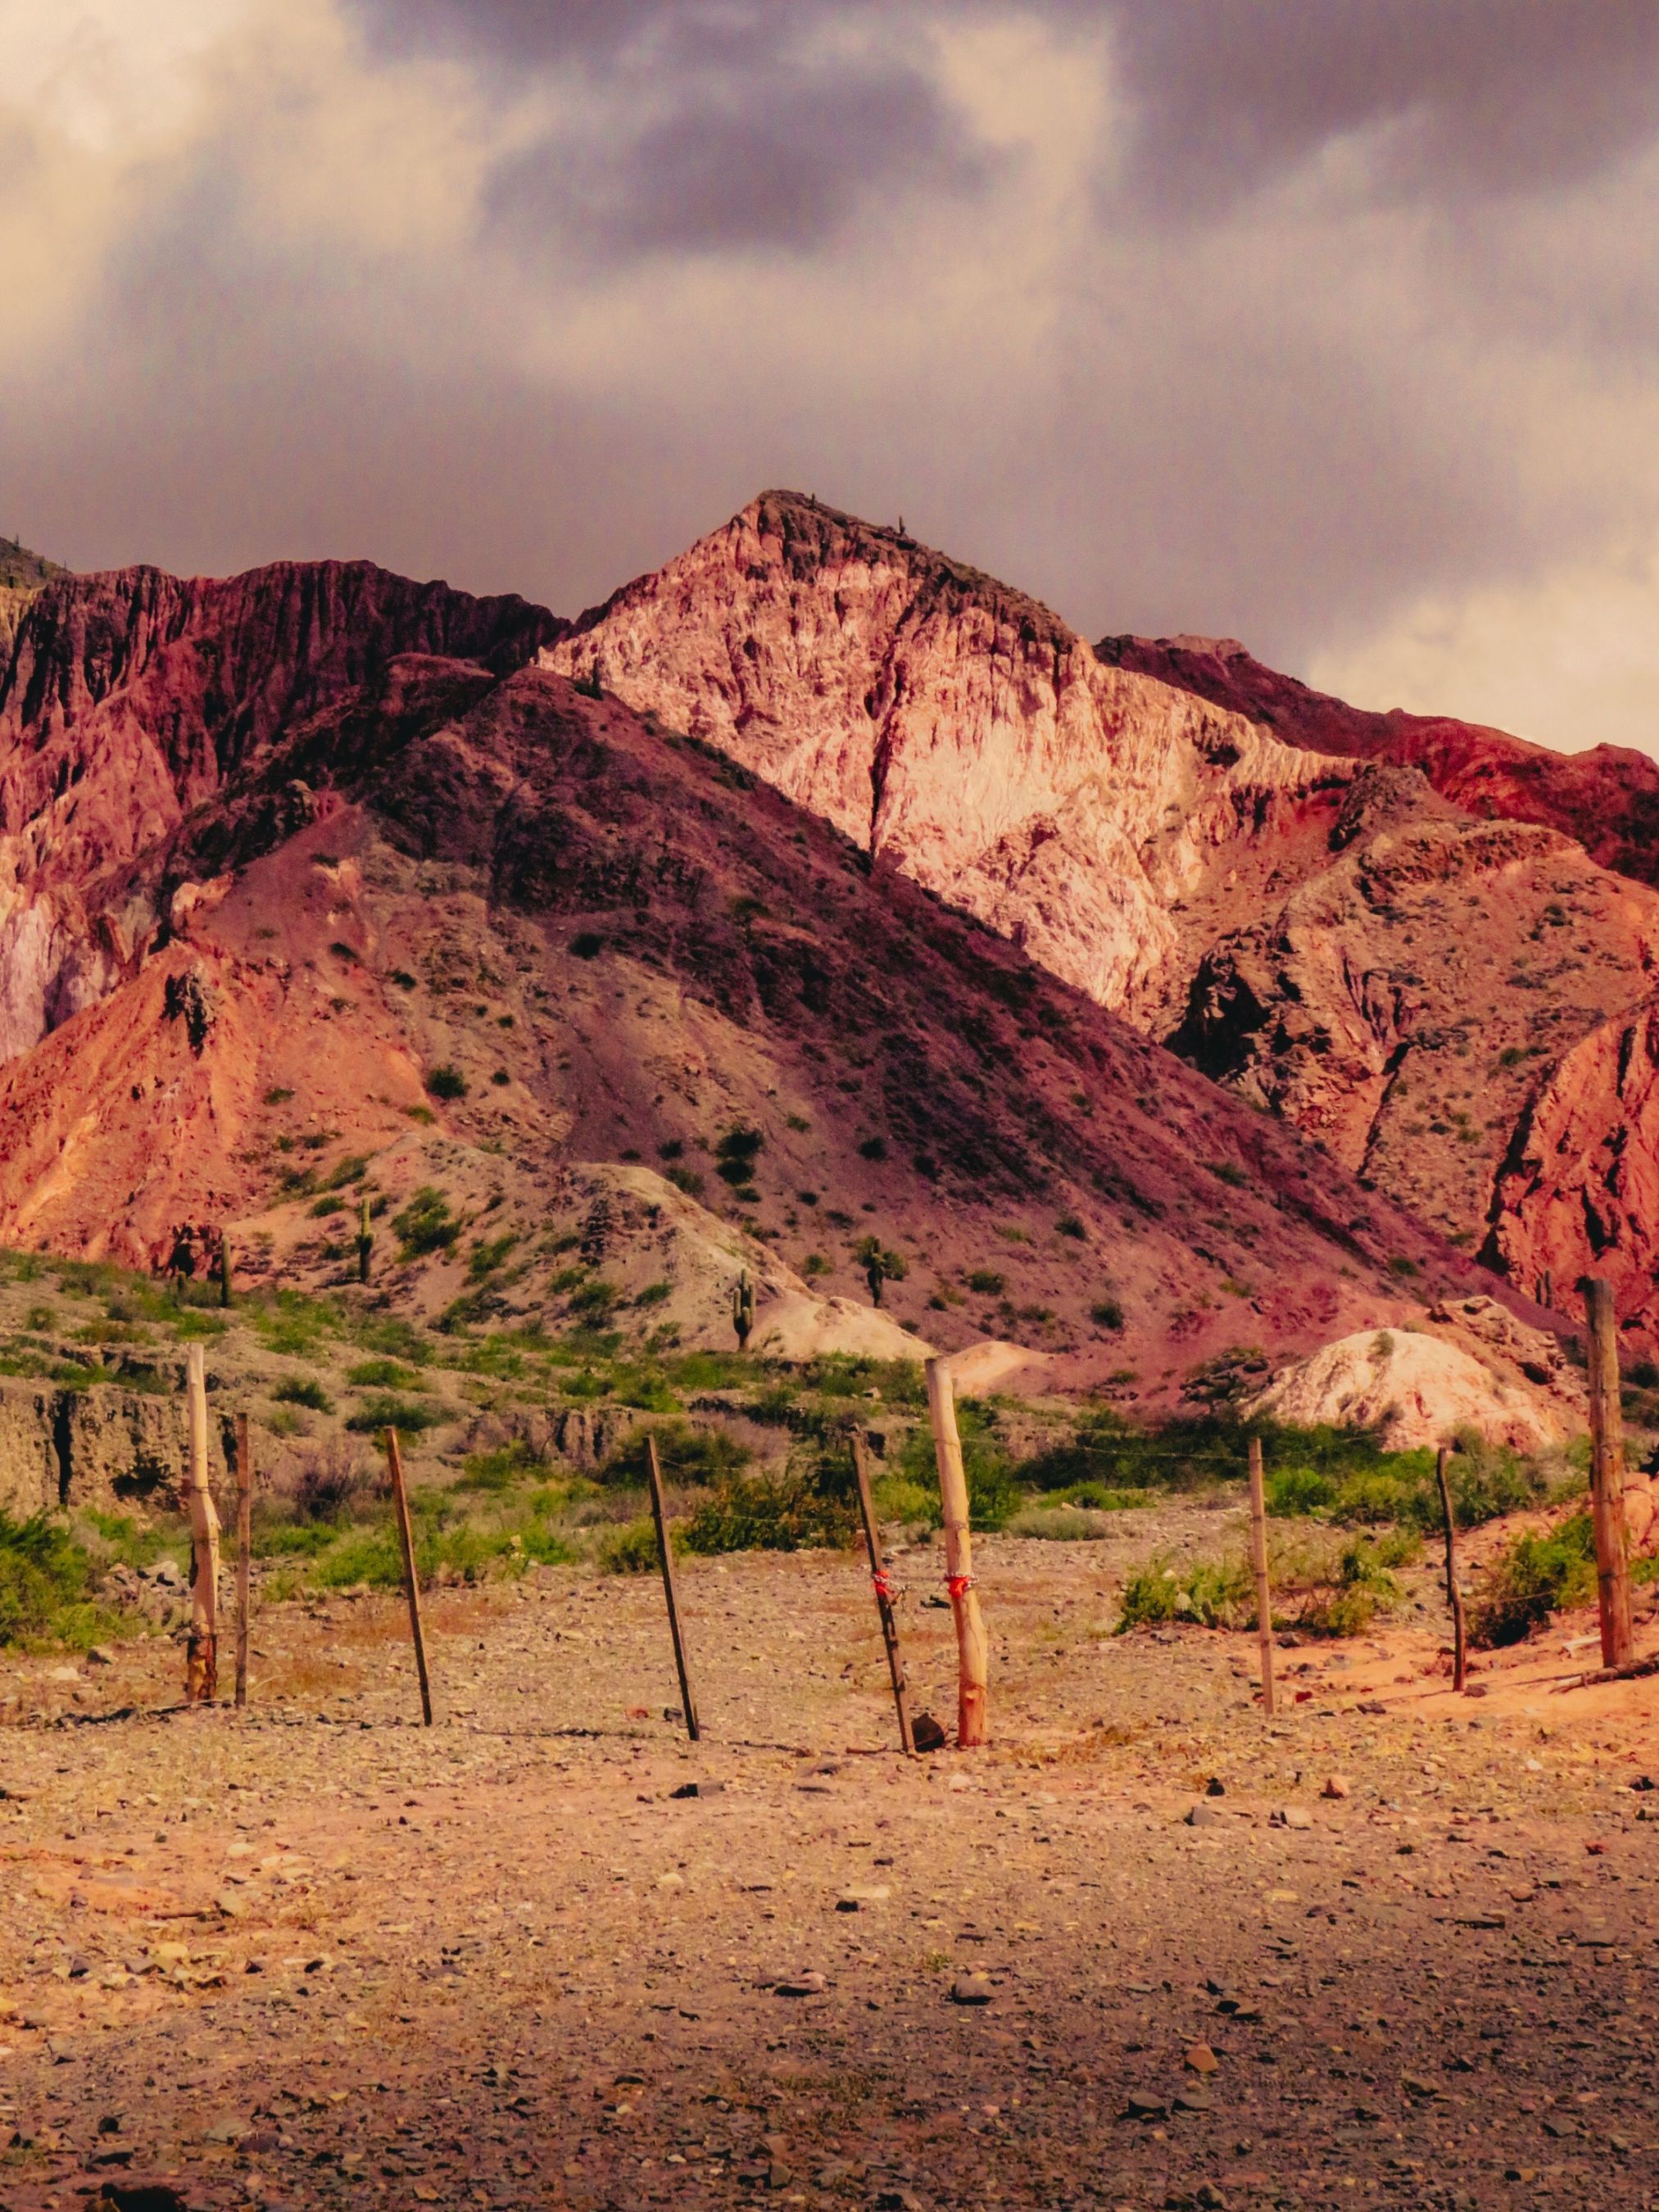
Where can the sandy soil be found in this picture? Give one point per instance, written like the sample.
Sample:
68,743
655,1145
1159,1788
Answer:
315,1954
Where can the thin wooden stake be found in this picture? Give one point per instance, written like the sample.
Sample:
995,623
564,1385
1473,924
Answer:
1454,1595
665,1555
202,1652
244,1549
411,1579
1607,1477
973,1658
1264,1600
890,1635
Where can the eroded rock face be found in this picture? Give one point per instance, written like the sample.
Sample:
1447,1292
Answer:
1485,1371
102,1446
1607,797
957,730
1578,1191
1378,929
129,699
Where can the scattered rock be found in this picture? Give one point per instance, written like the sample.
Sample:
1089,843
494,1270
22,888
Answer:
970,1993
800,1985
1336,1785
1200,2059
1145,2105
926,1734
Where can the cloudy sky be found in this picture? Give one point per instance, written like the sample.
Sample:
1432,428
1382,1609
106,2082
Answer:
1328,323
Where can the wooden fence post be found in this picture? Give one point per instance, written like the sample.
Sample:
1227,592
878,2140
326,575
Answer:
1264,1602
202,1652
665,1555
1607,1477
883,1591
972,1655
1454,1595
244,1550
411,1579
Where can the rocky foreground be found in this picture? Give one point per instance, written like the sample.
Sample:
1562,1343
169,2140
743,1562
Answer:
1150,1949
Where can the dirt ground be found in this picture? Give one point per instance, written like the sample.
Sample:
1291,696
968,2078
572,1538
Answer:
549,1953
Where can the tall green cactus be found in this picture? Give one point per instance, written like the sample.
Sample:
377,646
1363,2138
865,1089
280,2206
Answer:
226,1281
365,1242
742,1308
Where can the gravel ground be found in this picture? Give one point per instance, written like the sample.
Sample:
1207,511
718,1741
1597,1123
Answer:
548,1953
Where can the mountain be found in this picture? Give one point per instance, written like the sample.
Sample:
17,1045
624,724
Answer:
1605,797
321,884
1409,978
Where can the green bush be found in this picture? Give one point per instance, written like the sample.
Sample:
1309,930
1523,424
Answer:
994,1491
408,1415
425,1224
1213,1594
302,1390
46,1580
788,1512
503,1469
379,1375
446,1082
896,1499
1531,1578
1295,1492
689,1457
632,1548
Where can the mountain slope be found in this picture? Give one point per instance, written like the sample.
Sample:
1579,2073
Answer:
130,697
1607,797
1326,931
618,946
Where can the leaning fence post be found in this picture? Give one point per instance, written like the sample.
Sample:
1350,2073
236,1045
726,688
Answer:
972,1656
884,1590
1607,1477
244,1550
411,1579
665,1555
1454,1595
202,1651
1264,1602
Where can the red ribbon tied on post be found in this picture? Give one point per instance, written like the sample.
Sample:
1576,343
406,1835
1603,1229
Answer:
882,1587
958,1585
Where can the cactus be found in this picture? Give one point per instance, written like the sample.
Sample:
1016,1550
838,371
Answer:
226,1279
365,1243
875,1274
742,1308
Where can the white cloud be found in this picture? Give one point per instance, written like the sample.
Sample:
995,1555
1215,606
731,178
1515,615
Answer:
1569,660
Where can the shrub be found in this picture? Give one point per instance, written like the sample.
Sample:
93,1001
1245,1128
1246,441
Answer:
503,1469
632,1549
994,1492
595,1300
379,1375
1069,1226
895,1499
302,1390
1531,1578
689,1457
45,1582
985,1282
1214,1594
588,944
1296,1491
327,1481
446,1082
408,1415
873,1148
1107,1314
425,1224
788,1512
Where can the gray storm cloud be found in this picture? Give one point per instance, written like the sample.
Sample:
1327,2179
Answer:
1325,324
